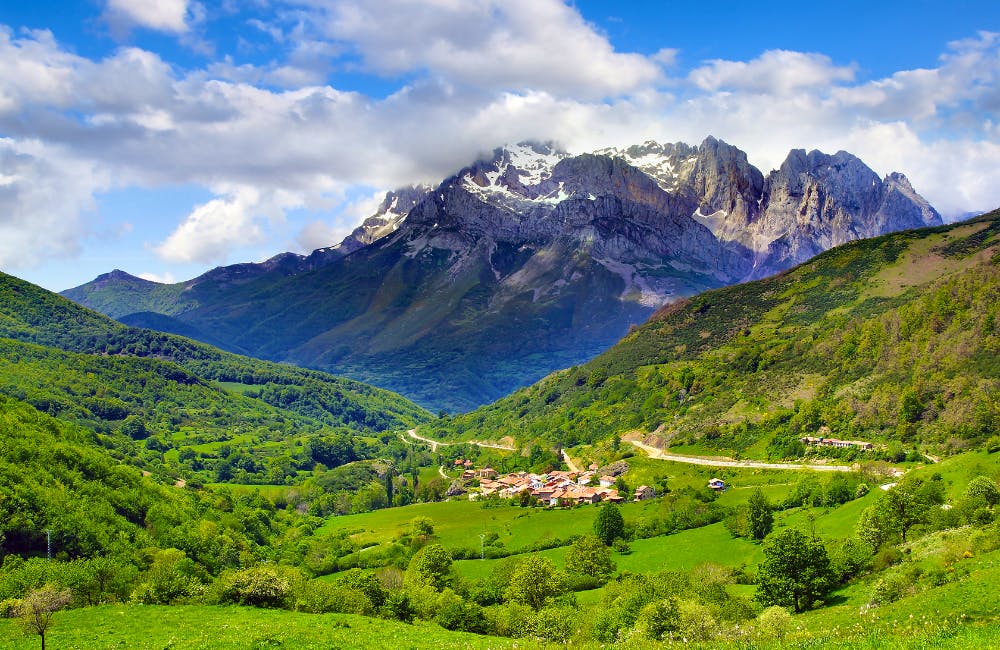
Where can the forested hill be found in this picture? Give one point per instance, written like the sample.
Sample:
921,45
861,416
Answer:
892,340
29,314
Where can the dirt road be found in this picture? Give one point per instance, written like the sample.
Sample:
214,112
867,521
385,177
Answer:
712,462
569,462
435,443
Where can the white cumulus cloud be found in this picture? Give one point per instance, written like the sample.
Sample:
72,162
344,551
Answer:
773,72
277,137
494,44
170,16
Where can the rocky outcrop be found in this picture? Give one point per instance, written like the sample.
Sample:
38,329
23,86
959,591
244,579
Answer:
390,214
816,201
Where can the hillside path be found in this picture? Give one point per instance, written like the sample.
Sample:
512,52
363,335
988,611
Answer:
659,454
569,462
435,443
441,472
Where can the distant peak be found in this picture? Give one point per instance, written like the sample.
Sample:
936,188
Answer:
118,274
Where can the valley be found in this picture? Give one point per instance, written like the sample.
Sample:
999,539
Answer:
259,492
527,261
499,325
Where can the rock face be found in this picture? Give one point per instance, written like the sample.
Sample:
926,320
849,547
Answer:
814,202
527,261
390,214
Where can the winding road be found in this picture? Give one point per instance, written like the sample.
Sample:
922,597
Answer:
659,454
436,443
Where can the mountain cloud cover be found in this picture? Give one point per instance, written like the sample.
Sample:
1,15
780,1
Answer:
464,77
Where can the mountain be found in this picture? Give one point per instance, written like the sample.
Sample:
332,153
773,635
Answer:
80,365
892,340
526,261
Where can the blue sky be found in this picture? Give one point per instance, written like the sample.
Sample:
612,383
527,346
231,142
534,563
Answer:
165,137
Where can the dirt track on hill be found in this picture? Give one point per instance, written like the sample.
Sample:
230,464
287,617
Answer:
435,443
659,454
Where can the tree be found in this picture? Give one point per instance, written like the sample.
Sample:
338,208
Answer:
609,524
390,472
38,608
430,566
760,515
795,571
908,503
983,488
422,526
754,519
589,556
534,581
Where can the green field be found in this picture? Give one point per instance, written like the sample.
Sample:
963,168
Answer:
139,627
680,551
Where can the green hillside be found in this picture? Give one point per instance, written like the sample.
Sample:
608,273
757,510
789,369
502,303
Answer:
181,409
408,323
31,314
892,340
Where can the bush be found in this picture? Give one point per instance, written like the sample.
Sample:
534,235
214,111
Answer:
366,583
398,606
512,620
773,623
696,622
457,614
172,577
10,607
890,588
320,597
851,559
556,623
260,586
658,619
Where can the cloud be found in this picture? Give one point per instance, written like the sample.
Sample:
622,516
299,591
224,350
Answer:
169,16
165,278
277,137
43,195
543,45
775,72
212,229
323,233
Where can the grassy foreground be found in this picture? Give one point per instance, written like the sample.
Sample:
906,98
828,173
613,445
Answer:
189,627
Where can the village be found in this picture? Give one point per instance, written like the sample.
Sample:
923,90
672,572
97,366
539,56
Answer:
555,488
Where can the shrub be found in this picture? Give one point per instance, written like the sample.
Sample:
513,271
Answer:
658,619
320,597
10,607
259,586
511,620
172,577
890,588
398,606
366,583
457,614
696,622
773,623
556,623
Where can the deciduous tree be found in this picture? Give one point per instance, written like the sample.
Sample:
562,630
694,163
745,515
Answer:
795,571
589,556
38,608
609,524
